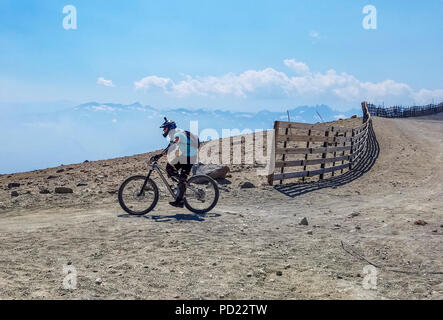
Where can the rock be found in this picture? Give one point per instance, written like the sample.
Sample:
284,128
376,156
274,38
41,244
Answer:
13,185
287,266
86,161
60,171
279,273
44,191
354,116
247,185
358,227
304,222
215,171
82,184
62,190
51,177
14,194
420,223
249,274
309,232
98,281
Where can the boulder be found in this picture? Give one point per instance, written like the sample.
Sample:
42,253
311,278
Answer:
304,222
246,185
215,171
62,190
14,194
13,185
44,191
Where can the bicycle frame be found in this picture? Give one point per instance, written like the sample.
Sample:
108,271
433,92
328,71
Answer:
155,167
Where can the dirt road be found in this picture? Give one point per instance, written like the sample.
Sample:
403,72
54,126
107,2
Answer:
251,245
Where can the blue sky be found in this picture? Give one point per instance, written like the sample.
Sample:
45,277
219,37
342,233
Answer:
237,55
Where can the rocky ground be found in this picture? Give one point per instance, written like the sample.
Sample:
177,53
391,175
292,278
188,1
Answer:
252,245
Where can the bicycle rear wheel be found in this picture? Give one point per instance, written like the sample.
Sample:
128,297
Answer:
202,194
135,201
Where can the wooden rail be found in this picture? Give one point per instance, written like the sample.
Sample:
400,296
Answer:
318,148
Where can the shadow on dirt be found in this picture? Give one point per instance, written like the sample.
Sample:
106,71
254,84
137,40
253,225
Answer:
176,217
364,165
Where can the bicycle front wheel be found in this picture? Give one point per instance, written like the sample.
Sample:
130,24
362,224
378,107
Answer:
201,194
136,201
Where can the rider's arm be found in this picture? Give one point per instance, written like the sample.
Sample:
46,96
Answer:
170,144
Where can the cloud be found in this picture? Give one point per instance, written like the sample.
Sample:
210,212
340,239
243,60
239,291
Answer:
106,83
153,82
299,67
330,87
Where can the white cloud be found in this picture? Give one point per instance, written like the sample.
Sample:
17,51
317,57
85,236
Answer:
106,83
329,87
299,67
153,82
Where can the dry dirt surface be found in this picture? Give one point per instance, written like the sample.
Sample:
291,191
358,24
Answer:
251,246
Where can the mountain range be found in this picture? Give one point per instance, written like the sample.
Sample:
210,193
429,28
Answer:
95,131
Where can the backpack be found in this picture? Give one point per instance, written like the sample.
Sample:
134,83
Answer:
192,139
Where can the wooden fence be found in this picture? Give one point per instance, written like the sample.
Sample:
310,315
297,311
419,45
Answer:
404,112
316,149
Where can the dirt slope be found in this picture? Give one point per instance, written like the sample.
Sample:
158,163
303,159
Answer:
250,246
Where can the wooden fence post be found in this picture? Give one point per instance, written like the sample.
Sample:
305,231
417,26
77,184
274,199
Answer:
306,155
323,155
352,149
335,152
344,151
271,176
284,147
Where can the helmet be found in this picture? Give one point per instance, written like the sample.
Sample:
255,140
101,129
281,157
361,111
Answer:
169,124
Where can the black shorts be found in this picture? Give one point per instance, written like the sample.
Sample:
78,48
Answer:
183,170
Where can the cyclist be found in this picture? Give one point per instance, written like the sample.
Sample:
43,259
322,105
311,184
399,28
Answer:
181,165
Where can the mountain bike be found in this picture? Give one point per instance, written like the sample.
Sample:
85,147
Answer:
139,194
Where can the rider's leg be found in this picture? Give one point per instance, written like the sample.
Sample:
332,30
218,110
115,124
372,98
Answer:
171,170
185,169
